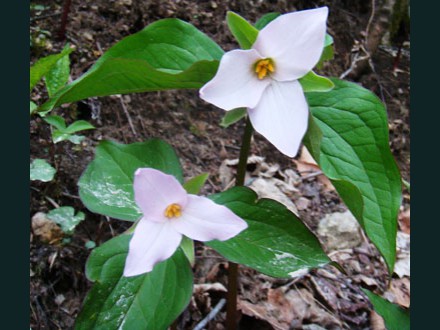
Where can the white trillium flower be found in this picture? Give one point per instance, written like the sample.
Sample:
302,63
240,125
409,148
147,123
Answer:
168,213
264,79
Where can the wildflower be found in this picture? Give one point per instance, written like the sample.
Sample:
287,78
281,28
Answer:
264,79
168,213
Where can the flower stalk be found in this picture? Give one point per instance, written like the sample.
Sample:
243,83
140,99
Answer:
231,306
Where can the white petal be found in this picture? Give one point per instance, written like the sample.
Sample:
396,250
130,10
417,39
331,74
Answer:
235,84
152,242
294,41
204,220
154,191
282,116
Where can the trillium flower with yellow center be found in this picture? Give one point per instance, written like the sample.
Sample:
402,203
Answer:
169,212
264,79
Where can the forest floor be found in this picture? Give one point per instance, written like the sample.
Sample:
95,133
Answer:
322,299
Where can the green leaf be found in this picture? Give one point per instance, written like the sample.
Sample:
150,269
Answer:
232,116
167,54
312,82
56,121
58,75
63,133
395,318
187,246
32,107
44,65
106,186
328,52
79,125
90,245
242,30
41,170
66,218
328,40
266,19
355,155
149,301
59,136
276,242
313,137
194,185
76,139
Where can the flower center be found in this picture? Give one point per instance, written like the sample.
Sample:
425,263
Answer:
264,67
173,211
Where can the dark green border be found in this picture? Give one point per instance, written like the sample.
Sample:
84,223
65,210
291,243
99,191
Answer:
15,157
425,127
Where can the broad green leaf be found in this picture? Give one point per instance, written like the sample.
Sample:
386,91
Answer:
395,318
194,185
44,65
79,125
232,116
354,153
266,19
56,121
66,218
242,30
41,170
149,301
276,242
106,186
167,54
58,75
312,82
32,107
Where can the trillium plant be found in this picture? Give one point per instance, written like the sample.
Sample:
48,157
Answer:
143,277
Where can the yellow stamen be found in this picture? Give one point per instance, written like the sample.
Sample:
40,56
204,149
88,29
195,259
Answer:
173,211
264,67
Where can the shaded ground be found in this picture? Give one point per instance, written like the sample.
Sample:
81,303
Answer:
328,298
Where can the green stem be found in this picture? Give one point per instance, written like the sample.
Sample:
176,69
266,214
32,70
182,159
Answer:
244,152
231,309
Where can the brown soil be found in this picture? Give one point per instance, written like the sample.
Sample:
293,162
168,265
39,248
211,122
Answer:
58,284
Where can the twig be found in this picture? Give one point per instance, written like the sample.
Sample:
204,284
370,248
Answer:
64,17
312,175
37,18
353,65
211,315
128,115
70,196
52,201
118,119
370,20
110,225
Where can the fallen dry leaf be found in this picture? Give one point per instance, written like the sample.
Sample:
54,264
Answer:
377,322
307,167
404,221
45,229
399,292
